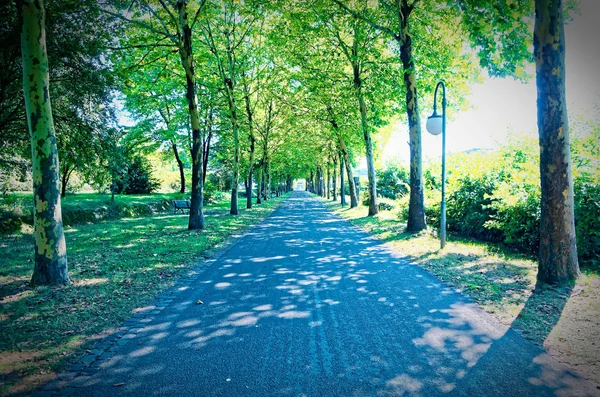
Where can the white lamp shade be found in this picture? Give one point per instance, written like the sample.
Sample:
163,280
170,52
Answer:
434,124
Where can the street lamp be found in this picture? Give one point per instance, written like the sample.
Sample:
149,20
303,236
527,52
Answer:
436,124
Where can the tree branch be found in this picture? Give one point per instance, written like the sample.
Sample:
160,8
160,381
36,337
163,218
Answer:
143,25
365,19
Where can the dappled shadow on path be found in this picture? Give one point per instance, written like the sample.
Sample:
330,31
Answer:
306,305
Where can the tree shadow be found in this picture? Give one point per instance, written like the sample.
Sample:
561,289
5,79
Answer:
305,305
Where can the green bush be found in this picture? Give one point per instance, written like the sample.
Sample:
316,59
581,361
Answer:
138,178
385,206
10,221
516,217
587,220
469,207
393,181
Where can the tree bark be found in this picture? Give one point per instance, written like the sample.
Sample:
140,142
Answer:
558,250
352,185
206,150
328,181
50,256
334,179
342,187
372,185
65,181
250,116
236,149
196,219
180,165
258,185
416,205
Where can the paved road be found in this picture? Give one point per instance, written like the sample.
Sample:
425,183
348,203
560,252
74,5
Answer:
307,305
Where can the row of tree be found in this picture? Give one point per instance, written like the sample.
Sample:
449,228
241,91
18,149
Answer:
266,91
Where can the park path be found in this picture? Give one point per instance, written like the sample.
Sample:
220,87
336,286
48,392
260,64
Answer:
307,305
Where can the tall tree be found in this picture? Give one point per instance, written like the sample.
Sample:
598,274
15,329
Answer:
50,246
495,29
401,33
170,21
558,250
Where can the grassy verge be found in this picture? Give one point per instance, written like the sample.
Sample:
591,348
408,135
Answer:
115,267
565,320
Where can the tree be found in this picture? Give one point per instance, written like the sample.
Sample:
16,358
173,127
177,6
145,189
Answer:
558,250
175,26
233,27
81,88
401,33
50,246
497,30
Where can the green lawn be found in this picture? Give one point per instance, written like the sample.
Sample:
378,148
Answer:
91,200
114,266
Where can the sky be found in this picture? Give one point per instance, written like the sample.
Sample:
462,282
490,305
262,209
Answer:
500,106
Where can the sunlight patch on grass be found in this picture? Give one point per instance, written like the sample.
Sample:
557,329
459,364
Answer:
115,267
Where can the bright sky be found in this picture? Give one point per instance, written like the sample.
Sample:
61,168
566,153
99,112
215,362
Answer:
500,106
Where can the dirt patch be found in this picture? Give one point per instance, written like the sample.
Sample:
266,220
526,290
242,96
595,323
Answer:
575,340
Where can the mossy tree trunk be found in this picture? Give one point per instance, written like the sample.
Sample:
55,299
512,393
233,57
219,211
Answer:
558,250
50,247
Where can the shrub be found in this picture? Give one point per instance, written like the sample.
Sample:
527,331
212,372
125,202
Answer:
138,178
10,221
393,181
469,207
517,217
587,220
385,206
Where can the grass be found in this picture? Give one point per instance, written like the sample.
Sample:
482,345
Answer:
115,267
564,319
90,200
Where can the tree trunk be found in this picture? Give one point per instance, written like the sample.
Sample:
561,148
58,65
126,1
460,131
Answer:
249,191
206,152
252,145
236,151
196,219
269,182
328,181
50,266
342,187
258,184
558,250
334,179
372,186
65,181
319,182
180,165
352,185
416,205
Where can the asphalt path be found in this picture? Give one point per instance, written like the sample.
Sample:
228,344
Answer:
308,305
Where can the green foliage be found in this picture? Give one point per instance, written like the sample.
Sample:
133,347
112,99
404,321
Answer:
469,207
495,196
393,181
587,221
137,178
517,217
10,221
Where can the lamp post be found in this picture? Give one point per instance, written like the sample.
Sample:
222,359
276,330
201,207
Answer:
436,124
